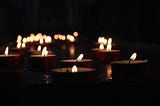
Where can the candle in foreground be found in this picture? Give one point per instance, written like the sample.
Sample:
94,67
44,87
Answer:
80,62
8,60
43,61
129,69
74,74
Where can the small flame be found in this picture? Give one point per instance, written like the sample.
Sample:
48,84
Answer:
74,69
44,51
41,41
39,48
19,45
101,46
75,34
109,47
133,57
109,40
23,45
79,58
6,51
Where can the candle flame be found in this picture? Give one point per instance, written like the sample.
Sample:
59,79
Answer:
23,45
6,51
39,48
133,56
41,41
109,40
79,58
74,69
75,34
109,47
44,51
101,46
102,40
19,45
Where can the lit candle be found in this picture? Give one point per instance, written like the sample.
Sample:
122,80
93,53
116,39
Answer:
43,61
131,69
9,60
78,62
103,54
74,74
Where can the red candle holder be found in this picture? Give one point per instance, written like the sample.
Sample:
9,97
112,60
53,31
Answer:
125,70
104,55
82,75
10,61
43,62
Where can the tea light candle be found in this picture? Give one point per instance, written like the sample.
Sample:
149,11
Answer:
78,62
103,54
9,60
39,51
74,74
43,61
129,69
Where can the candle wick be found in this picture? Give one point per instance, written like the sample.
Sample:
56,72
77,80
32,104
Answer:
129,61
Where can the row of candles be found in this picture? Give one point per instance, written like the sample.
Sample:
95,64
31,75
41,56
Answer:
101,54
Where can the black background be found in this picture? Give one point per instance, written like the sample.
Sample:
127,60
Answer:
135,20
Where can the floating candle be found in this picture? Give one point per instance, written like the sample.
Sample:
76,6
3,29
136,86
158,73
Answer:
43,61
9,60
78,62
103,54
74,74
129,69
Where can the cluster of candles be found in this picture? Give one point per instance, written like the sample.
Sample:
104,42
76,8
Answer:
102,54
68,37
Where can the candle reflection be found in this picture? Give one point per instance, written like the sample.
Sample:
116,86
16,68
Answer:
109,71
72,51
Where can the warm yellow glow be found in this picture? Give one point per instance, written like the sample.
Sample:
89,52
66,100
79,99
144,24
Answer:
48,39
74,69
23,45
101,46
24,40
56,36
41,41
19,38
133,56
39,48
63,37
109,47
109,40
6,51
75,34
19,45
44,51
32,37
79,58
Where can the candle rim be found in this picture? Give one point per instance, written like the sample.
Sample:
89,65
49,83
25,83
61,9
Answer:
127,62
39,55
75,60
70,70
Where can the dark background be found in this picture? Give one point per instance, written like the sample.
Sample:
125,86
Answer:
133,20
